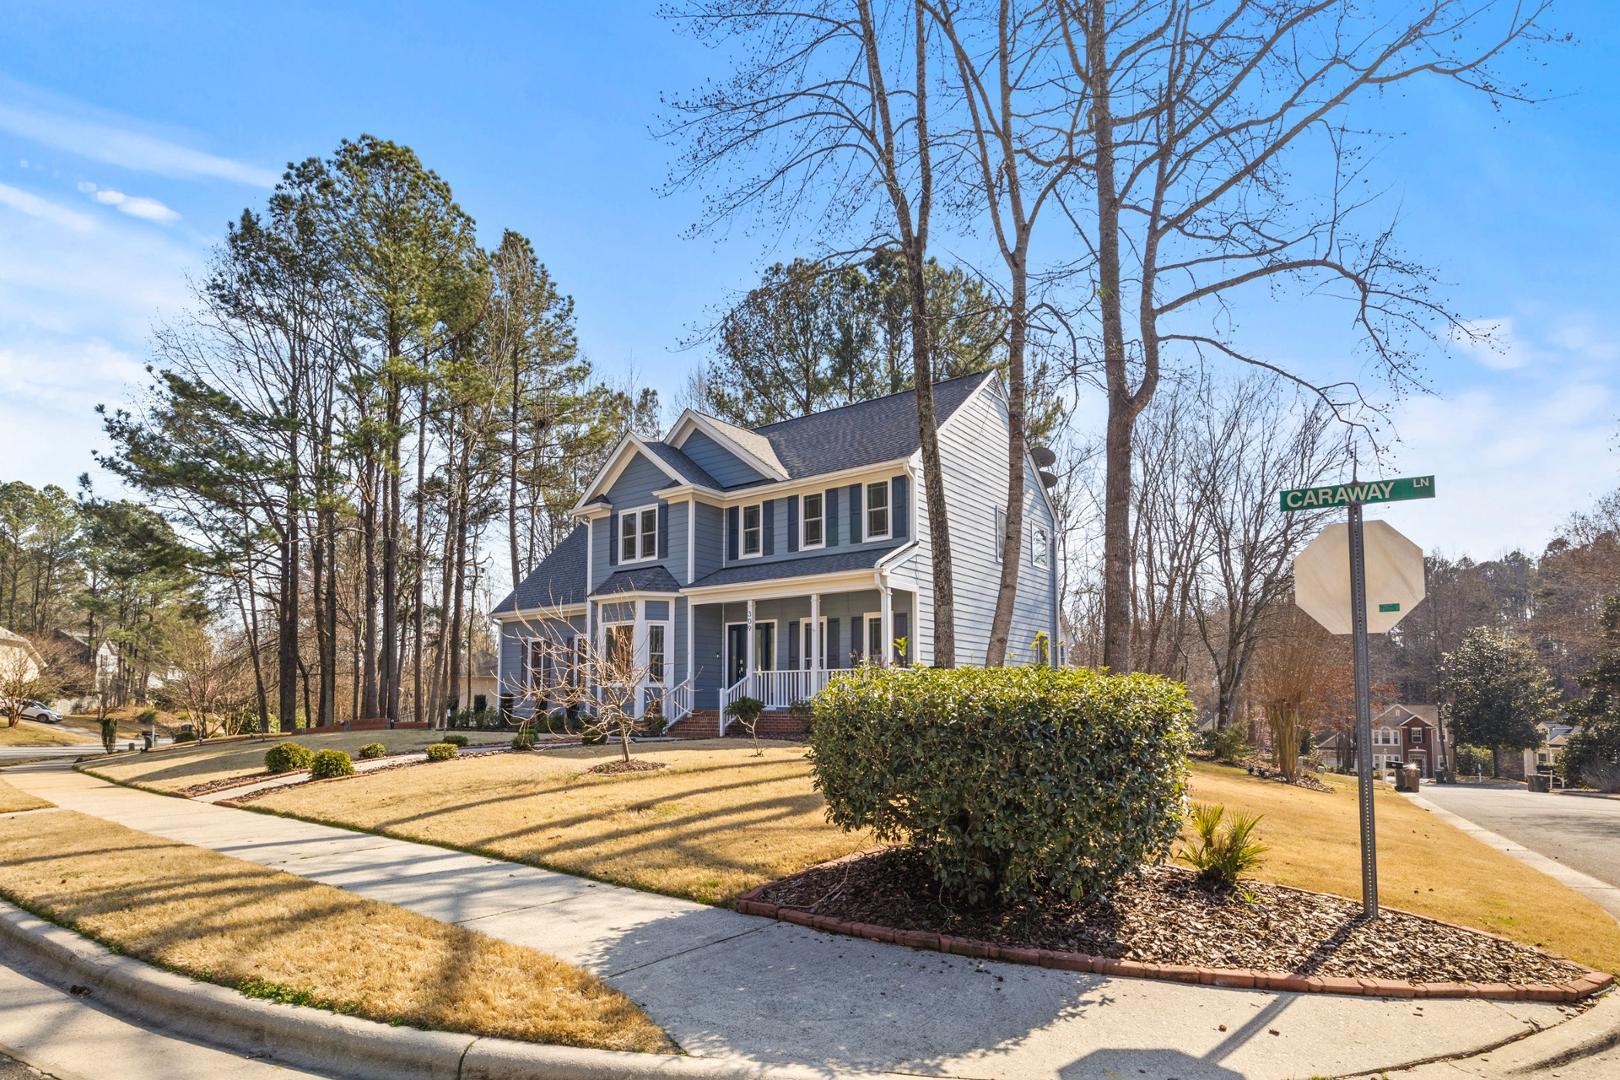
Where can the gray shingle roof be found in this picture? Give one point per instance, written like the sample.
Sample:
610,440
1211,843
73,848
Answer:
641,579
558,581
838,562
677,460
883,429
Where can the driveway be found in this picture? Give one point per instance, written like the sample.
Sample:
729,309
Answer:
730,986
1580,831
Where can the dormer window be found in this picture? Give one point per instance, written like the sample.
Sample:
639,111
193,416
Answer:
813,520
638,534
877,510
753,530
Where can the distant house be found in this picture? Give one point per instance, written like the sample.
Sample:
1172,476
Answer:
20,661
1545,758
732,562
1400,733
86,675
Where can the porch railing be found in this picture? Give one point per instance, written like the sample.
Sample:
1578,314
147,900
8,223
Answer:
777,689
676,700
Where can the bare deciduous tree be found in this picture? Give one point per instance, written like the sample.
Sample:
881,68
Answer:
1207,125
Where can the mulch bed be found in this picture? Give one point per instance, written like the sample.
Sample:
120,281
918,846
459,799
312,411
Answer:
1165,916
613,768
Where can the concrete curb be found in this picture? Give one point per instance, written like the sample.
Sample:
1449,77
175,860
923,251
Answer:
1585,986
319,1040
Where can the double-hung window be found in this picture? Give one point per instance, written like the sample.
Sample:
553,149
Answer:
812,520
1417,736
753,530
1038,547
877,510
638,534
999,524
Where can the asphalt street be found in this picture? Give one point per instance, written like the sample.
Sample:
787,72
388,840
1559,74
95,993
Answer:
1580,831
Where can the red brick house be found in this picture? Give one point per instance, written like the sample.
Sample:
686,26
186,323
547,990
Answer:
1400,733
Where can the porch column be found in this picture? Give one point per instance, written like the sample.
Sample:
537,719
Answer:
815,637
887,621
750,670
640,651
691,676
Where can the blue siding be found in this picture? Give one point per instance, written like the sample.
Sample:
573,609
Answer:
711,541
634,488
836,539
720,463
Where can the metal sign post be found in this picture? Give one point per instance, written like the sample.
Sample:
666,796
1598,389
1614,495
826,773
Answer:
1323,591
1364,764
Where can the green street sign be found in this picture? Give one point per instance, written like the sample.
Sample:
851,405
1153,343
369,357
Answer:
1368,491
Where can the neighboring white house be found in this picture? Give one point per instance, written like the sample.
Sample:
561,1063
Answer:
19,660
1545,758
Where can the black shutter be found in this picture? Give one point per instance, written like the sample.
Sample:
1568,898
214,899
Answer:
793,522
834,659
731,533
613,540
899,518
767,527
857,528
829,512
902,629
793,644
663,530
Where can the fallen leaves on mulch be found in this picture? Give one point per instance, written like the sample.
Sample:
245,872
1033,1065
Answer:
612,768
1165,915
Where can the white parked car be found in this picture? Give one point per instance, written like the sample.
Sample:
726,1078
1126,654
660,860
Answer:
40,713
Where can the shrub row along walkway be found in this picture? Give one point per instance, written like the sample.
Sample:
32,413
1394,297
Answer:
730,985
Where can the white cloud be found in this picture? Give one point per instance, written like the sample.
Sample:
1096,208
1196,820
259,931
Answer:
118,143
1510,465
44,210
1492,342
139,206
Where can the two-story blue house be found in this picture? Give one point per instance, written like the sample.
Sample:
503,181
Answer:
737,562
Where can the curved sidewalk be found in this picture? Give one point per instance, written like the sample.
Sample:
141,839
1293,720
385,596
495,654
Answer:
735,987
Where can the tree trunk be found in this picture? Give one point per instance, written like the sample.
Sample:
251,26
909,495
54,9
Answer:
1011,538
421,552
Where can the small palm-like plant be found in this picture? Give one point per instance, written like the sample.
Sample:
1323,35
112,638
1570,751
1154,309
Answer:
1222,855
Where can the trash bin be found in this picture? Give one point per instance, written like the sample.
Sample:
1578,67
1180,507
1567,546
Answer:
146,737
1408,777
1541,782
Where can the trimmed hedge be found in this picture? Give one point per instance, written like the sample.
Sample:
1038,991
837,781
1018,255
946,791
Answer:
1009,783
456,740
287,757
329,764
372,750
441,751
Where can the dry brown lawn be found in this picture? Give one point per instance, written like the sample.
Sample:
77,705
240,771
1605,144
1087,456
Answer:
1424,865
720,821
713,825
278,936
12,800
27,734
171,769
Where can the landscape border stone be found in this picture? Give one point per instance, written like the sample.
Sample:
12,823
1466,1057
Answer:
1577,989
312,1038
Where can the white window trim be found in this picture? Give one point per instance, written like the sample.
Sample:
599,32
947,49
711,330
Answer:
1039,556
867,536
805,545
867,620
998,532
634,513
742,531
668,626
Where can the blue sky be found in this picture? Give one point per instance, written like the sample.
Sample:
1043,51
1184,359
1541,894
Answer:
129,135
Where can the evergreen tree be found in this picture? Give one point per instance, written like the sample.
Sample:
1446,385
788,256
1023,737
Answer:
1592,755
1497,691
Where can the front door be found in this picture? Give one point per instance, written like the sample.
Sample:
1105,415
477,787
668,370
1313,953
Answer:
736,653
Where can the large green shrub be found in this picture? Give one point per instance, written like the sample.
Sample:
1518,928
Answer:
1008,782
372,750
441,751
329,764
456,740
287,757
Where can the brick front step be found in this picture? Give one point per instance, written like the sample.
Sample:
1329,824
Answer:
705,724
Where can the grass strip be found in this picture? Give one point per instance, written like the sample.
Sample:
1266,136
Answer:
12,800
280,937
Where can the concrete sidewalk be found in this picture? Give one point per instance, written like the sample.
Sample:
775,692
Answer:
733,986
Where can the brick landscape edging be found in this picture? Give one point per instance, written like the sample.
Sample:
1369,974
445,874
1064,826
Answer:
1237,978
